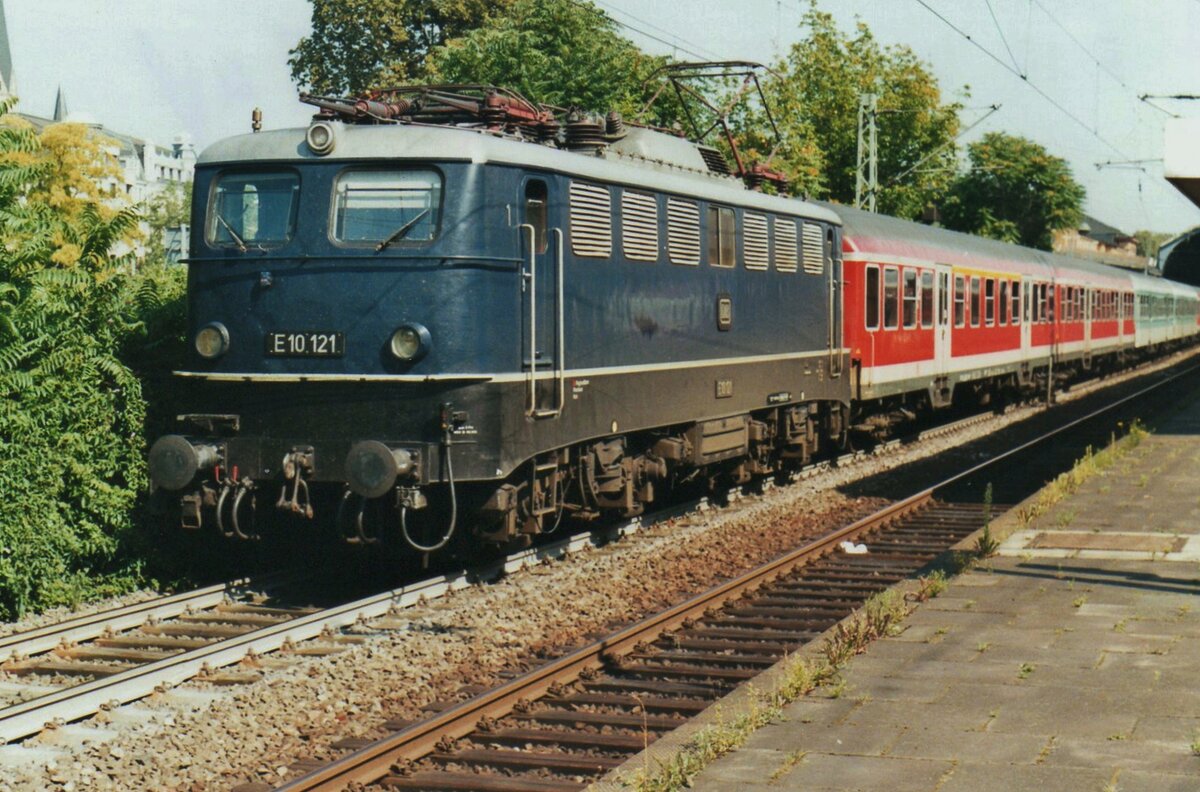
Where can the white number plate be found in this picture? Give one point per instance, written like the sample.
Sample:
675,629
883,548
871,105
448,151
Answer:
306,344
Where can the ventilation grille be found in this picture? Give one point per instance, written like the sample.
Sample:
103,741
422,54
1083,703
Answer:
715,160
591,220
639,226
683,232
785,245
755,245
814,249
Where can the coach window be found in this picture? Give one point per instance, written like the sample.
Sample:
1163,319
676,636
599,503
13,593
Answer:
989,301
910,299
1050,302
1003,302
975,312
960,302
1016,302
720,237
891,295
926,299
871,308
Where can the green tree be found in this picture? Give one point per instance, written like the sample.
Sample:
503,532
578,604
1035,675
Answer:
816,97
1148,242
1014,190
356,45
558,52
165,212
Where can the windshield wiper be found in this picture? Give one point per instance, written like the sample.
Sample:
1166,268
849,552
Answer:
241,246
402,230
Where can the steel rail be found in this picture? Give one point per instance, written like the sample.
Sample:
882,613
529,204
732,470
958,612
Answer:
374,761
126,617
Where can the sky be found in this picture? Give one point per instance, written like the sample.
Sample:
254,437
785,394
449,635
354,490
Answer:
156,68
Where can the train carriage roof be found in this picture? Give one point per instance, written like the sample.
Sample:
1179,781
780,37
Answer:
869,232
649,161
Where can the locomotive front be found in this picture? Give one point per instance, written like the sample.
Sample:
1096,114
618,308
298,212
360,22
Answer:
344,288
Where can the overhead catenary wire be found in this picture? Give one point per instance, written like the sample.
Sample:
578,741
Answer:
1004,38
1015,72
676,44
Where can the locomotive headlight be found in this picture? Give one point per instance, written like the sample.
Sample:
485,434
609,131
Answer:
410,342
212,341
320,138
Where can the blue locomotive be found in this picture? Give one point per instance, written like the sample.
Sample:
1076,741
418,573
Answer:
441,312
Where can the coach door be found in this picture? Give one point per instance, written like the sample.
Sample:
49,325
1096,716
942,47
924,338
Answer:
1088,314
941,324
1026,318
833,243
542,347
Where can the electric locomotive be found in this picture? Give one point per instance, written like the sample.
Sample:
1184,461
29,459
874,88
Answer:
444,306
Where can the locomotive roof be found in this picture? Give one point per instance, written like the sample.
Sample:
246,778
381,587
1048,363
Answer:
637,164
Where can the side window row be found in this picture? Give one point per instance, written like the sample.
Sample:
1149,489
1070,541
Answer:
767,240
908,299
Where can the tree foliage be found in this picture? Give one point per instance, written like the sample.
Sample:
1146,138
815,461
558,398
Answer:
356,45
1014,190
816,98
71,409
1148,242
557,52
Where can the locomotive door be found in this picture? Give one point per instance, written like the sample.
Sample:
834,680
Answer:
542,347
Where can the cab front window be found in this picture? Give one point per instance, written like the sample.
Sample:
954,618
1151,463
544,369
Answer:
253,209
386,207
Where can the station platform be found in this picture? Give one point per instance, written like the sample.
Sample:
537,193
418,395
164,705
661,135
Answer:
1071,661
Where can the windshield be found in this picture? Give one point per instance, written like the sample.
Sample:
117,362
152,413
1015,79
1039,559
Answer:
387,206
250,209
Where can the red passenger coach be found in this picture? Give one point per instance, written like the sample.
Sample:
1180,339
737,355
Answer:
934,316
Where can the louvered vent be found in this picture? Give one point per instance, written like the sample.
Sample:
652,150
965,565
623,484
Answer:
639,226
756,249
814,249
785,245
591,220
715,160
683,232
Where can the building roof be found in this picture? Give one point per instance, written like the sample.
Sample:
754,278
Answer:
1103,232
60,106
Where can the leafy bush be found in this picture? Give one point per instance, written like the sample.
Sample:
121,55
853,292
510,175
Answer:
72,410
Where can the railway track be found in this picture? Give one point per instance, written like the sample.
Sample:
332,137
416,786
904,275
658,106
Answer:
567,723
69,671
72,669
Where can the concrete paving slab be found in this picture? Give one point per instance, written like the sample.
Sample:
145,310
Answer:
939,741
1177,730
819,772
862,739
1135,781
1024,778
1120,751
